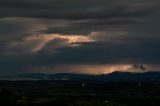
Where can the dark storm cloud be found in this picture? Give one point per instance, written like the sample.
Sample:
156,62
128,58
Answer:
110,53
87,26
50,32
71,9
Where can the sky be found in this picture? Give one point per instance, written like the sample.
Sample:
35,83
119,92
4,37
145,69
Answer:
79,36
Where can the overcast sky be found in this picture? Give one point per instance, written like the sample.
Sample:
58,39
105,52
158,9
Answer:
80,36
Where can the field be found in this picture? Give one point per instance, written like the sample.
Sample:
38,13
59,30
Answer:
80,93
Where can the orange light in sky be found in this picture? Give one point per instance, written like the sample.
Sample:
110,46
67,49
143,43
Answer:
90,69
68,39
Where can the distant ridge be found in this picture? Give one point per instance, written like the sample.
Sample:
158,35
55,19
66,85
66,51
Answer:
115,76
126,76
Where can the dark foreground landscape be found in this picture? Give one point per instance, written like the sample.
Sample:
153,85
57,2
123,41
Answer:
80,92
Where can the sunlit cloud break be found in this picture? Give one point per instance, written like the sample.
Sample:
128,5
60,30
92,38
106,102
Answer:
36,42
67,39
92,68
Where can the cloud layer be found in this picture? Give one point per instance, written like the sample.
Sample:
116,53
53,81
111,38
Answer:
72,33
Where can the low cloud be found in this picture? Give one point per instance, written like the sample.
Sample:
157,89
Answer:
91,68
